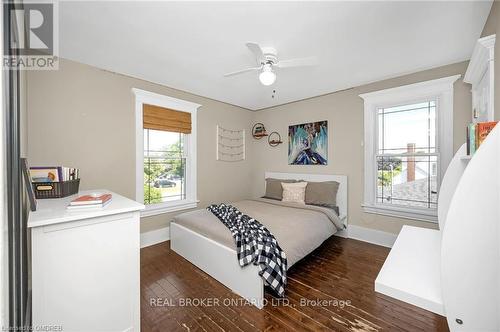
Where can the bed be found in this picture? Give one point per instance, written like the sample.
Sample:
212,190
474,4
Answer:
201,238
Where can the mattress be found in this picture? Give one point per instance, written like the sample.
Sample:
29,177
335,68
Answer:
298,228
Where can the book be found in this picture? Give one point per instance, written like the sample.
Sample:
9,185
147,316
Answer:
88,207
53,174
476,134
482,130
467,139
70,173
91,199
472,138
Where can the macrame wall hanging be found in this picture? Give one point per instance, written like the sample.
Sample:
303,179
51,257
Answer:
230,144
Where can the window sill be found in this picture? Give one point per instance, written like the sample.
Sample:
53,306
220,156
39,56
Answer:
156,209
402,212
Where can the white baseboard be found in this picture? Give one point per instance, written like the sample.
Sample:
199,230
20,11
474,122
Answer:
353,232
371,235
154,237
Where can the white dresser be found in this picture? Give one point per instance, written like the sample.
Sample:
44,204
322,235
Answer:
85,265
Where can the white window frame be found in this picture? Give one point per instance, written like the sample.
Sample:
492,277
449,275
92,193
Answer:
191,201
440,90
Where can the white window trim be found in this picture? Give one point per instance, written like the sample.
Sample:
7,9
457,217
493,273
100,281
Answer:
440,90
191,201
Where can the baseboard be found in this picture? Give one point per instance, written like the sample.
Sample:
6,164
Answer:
371,235
154,237
353,232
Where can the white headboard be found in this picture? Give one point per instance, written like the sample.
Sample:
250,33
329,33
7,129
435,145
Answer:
341,194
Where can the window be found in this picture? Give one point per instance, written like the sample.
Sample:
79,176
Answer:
408,145
164,166
165,152
406,155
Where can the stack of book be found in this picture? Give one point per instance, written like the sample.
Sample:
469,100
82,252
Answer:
476,134
95,200
53,174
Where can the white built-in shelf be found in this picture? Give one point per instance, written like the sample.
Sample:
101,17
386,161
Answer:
412,271
470,243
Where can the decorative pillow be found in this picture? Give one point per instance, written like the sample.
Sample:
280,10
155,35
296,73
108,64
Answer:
274,189
322,193
294,192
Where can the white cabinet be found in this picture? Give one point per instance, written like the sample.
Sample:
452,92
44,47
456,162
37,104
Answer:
481,74
85,266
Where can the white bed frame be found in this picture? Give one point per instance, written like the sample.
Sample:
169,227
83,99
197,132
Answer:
220,261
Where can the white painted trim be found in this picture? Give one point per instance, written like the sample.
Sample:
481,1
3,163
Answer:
419,214
407,92
440,90
371,236
341,198
154,237
156,209
352,232
146,97
482,60
484,52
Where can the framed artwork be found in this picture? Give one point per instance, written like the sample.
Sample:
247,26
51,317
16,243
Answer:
27,183
308,143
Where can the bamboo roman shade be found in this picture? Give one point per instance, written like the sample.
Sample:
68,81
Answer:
160,118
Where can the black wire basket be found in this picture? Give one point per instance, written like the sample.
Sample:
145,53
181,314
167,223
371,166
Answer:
55,189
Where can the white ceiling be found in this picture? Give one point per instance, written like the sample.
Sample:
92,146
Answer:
190,45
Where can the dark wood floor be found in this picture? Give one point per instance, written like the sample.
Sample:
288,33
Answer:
340,270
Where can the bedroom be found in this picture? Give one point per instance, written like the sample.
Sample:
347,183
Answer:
344,135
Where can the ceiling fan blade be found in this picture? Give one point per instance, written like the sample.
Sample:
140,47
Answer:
299,62
242,71
257,52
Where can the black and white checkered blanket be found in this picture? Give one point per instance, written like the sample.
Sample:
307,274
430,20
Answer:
255,244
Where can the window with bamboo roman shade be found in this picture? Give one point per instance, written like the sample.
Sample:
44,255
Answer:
165,152
160,118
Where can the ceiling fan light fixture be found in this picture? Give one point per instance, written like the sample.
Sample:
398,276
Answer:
267,76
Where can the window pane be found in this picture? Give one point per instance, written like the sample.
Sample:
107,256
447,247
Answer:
407,181
407,128
164,167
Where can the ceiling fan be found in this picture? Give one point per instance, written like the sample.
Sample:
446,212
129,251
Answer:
267,61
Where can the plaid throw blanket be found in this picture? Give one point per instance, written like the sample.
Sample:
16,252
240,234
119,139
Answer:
255,244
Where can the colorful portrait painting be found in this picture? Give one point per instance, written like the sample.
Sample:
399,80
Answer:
308,143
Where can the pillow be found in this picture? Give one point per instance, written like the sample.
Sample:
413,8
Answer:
322,193
274,189
294,192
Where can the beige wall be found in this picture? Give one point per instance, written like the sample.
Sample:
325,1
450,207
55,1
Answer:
83,117
492,26
344,112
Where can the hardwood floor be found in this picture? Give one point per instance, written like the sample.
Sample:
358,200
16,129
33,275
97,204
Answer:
341,270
